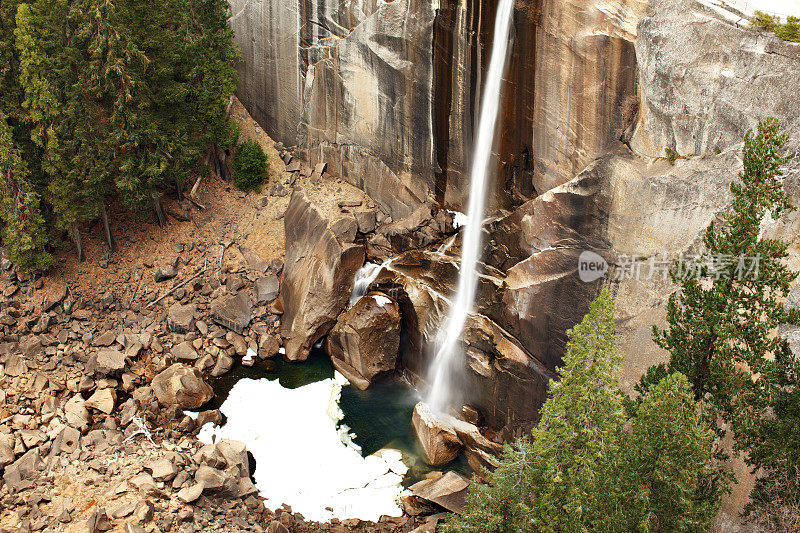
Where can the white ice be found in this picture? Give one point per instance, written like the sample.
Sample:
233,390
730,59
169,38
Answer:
301,458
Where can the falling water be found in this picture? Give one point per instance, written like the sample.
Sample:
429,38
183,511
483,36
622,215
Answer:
440,374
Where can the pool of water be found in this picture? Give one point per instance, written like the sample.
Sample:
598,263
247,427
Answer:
321,445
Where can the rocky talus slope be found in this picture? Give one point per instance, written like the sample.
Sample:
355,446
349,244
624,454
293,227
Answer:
100,363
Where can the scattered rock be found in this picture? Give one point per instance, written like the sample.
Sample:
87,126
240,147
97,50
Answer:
99,521
232,311
54,294
182,386
165,273
162,469
107,338
180,318
189,494
267,289
103,400
76,413
24,471
184,352
106,362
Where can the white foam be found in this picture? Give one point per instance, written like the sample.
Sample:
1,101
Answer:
459,219
302,458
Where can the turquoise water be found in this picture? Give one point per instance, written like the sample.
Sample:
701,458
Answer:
378,417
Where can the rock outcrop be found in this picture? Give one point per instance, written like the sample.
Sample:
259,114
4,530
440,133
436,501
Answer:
318,275
439,440
365,342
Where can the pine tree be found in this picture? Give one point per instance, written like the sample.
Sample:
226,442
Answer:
581,471
114,98
550,481
667,477
722,324
25,234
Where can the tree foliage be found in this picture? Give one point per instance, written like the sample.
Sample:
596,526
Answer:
113,98
581,470
249,165
721,328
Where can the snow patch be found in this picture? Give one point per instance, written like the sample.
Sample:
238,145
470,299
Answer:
249,356
304,456
381,300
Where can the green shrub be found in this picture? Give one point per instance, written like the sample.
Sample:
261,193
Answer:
672,156
764,21
249,166
789,31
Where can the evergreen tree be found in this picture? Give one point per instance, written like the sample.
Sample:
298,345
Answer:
25,234
581,471
114,98
722,324
667,477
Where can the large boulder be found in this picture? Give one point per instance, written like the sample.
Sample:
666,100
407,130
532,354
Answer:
317,277
182,386
440,442
448,491
365,341
232,311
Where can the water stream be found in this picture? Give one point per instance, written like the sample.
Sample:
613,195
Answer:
441,379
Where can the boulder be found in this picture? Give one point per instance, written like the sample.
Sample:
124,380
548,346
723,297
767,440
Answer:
366,221
365,341
6,454
162,469
106,362
268,346
53,295
447,491
23,472
267,289
76,413
223,365
317,277
190,493
103,400
107,338
184,352
232,311
181,386
180,318
439,440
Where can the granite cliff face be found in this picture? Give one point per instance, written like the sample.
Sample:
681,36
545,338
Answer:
596,91
385,92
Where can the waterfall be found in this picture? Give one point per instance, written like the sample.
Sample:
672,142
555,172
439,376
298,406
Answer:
441,371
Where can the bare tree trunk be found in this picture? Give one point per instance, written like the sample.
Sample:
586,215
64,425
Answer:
112,246
160,216
76,236
179,189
